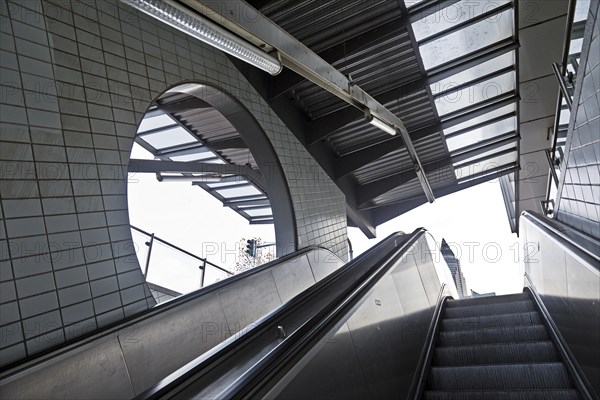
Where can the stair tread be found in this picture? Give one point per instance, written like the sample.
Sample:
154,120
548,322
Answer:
479,322
502,394
496,353
507,298
489,309
504,334
497,377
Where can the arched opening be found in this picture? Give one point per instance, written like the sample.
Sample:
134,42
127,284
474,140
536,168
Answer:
197,137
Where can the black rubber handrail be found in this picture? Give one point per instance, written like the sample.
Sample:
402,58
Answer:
581,382
424,365
201,368
125,323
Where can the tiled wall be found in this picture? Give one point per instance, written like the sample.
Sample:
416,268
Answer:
579,191
76,78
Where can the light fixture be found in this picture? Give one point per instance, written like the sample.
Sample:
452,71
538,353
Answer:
379,123
196,26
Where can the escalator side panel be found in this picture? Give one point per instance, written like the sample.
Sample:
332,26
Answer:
174,333
387,330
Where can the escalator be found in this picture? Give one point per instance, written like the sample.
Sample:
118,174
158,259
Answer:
395,328
496,348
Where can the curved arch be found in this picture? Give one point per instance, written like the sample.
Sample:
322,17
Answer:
262,150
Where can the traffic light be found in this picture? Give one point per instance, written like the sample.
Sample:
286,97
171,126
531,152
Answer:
251,247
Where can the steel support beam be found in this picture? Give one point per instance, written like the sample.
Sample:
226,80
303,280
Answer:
156,166
296,56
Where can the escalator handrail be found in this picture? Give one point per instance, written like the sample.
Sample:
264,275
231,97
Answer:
581,383
171,384
422,371
582,248
114,328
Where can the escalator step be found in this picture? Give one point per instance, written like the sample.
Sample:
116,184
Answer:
504,395
506,334
487,321
489,309
509,353
471,301
500,377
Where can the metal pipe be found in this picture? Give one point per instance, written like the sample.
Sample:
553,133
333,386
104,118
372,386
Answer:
562,85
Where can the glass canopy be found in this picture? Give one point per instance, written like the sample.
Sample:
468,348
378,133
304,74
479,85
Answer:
476,101
170,140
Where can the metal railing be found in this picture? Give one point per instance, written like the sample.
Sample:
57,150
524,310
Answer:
566,76
176,263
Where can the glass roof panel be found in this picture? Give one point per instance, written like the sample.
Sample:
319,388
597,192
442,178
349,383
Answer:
168,138
453,15
479,134
239,191
259,212
582,9
155,122
466,171
467,40
477,120
495,64
489,153
474,94
200,155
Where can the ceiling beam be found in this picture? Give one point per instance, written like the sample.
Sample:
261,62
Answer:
385,213
157,166
348,163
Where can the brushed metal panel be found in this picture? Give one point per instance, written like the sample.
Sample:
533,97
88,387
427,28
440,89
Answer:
332,372
293,277
323,263
169,342
249,299
93,373
376,329
409,286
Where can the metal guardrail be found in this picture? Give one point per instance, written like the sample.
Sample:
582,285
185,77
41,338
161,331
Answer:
204,263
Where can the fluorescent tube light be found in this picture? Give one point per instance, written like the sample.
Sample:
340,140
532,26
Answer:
379,123
196,26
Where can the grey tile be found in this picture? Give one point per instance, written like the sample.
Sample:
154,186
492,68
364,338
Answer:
7,292
11,354
132,294
9,312
35,265
62,205
103,286
38,304
22,207
70,257
11,334
34,285
80,328
101,269
74,294
61,223
77,312
71,276
106,303
41,324
25,227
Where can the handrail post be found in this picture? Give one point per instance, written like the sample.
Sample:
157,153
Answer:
149,244
203,268
563,86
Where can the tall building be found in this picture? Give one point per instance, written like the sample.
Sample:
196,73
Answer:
454,265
